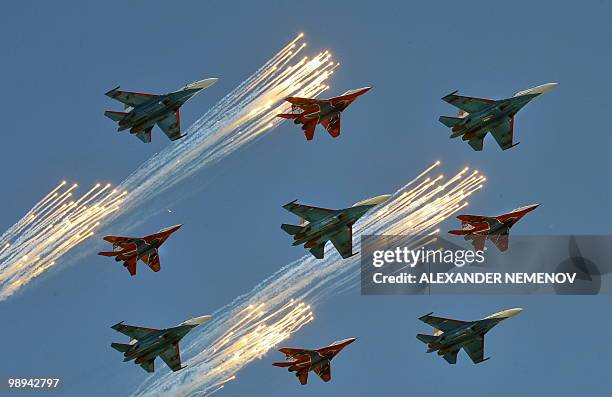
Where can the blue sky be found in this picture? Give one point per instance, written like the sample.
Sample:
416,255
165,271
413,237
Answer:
59,59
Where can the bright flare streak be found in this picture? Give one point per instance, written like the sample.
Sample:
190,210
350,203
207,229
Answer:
55,225
49,230
237,120
245,330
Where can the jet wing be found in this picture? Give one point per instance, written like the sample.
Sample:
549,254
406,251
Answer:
343,241
332,125
145,135
291,352
471,218
116,240
132,331
148,366
324,372
171,125
451,357
132,99
172,357
441,323
500,241
311,214
130,265
152,260
476,144
318,251
467,103
305,102
303,376
504,133
475,349
309,129
478,241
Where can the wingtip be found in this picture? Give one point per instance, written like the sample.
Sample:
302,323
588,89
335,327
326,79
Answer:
452,93
288,205
108,93
425,316
116,325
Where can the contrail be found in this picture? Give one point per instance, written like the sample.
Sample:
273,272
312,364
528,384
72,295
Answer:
55,225
252,324
28,249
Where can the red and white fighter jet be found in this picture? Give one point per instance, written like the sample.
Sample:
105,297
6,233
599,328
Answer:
479,228
312,360
321,111
131,249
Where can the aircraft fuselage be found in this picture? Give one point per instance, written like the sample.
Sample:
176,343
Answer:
476,125
455,339
153,344
146,115
315,233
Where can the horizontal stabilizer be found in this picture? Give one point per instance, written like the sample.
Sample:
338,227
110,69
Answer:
283,364
426,338
288,115
122,347
460,232
291,229
449,121
115,116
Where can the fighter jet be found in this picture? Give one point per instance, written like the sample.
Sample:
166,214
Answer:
324,111
148,343
479,228
318,225
312,360
477,116
131,249
143,111
452,335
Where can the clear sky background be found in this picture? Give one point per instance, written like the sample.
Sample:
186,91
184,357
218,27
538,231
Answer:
58,59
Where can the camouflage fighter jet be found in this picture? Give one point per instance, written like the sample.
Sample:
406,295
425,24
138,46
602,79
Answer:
321,111
131,249
452,335
148,343
319,360
477,116
318,225
479,228
143,111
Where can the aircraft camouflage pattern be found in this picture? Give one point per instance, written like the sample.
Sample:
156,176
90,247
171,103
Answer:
131,249
143,111
148,343
321,111
479,228
450,336
477,116
305,360
319,225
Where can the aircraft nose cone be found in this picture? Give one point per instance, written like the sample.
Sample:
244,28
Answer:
175,228
363,90
202,84
346,342
373,200
512,312
541,89
197,320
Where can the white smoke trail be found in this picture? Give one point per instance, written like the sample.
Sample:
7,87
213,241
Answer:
232,339
238,119
54,226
